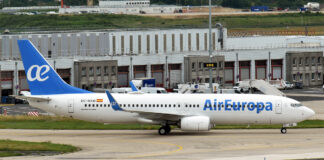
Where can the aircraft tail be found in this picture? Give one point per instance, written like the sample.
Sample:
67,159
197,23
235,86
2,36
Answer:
41,77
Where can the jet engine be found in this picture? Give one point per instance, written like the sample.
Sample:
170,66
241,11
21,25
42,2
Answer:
195,123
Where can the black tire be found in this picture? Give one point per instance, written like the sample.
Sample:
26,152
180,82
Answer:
163,131
283,130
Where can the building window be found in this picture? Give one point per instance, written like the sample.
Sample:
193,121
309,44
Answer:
122,45
113,70
148,44
84,71
193,66
300,61
90,71
206,41
114,44
294,61
319,60
49,55
156,43
313,76
306,61
139,44
173,42
300,77
164,43
181,42
197,41
106,70
319,76
201,66
221,64
131,44
98,71
214,41
294,77
313,60
189,42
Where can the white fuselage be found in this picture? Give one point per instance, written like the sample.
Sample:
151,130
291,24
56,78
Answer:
96,107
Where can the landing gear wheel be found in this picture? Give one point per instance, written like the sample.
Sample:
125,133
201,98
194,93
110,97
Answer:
283,130
163,131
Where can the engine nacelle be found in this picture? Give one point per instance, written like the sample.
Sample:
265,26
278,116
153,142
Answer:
195,123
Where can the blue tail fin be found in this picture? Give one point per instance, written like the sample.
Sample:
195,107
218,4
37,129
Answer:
42,78
134,88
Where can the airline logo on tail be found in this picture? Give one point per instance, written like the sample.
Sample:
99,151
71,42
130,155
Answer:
40,71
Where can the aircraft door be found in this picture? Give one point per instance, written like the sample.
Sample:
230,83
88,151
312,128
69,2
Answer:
70,105
278,107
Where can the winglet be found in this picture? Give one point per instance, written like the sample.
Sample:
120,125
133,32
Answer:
113,102
134,88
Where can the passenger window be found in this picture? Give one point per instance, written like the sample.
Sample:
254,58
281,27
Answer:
193,106
128,105
197,105
153,105
93,105
108,105
85,105
149,105
100,105
179,105
104,105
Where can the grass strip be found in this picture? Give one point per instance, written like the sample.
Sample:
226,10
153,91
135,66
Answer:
112,21
22,148
48,122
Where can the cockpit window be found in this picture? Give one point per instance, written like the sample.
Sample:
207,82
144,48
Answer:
296,105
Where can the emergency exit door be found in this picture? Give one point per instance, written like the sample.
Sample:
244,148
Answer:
70,106
278,107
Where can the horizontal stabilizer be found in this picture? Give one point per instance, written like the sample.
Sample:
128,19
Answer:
32,98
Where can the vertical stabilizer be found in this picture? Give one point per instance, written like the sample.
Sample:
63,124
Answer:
41,77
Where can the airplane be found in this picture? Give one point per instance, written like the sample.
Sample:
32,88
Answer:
189,112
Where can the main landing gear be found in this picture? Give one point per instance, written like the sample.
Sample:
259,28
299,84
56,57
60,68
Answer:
283,130
164,130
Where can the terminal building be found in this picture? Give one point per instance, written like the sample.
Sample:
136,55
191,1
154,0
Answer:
111,59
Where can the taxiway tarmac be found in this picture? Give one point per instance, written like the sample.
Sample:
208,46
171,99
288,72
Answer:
216,144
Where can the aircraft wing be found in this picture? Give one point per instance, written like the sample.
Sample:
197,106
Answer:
32,98
153,115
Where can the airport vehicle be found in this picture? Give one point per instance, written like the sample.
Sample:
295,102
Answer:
289,85
190,112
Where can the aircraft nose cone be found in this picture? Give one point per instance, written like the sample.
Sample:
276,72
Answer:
308,112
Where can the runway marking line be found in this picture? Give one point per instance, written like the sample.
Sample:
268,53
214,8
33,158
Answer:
179,148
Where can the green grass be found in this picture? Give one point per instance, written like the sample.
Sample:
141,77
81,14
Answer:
22,148
106,21
47,122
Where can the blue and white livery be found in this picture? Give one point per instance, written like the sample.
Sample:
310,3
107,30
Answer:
190,112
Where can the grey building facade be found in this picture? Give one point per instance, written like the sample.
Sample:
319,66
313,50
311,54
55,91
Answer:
195,72
95,74
305,67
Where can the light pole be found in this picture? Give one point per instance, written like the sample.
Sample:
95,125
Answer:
210,48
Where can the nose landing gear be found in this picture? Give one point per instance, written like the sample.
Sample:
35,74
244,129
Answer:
283,130
164,130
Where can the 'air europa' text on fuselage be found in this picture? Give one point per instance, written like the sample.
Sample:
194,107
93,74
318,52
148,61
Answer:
229,105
